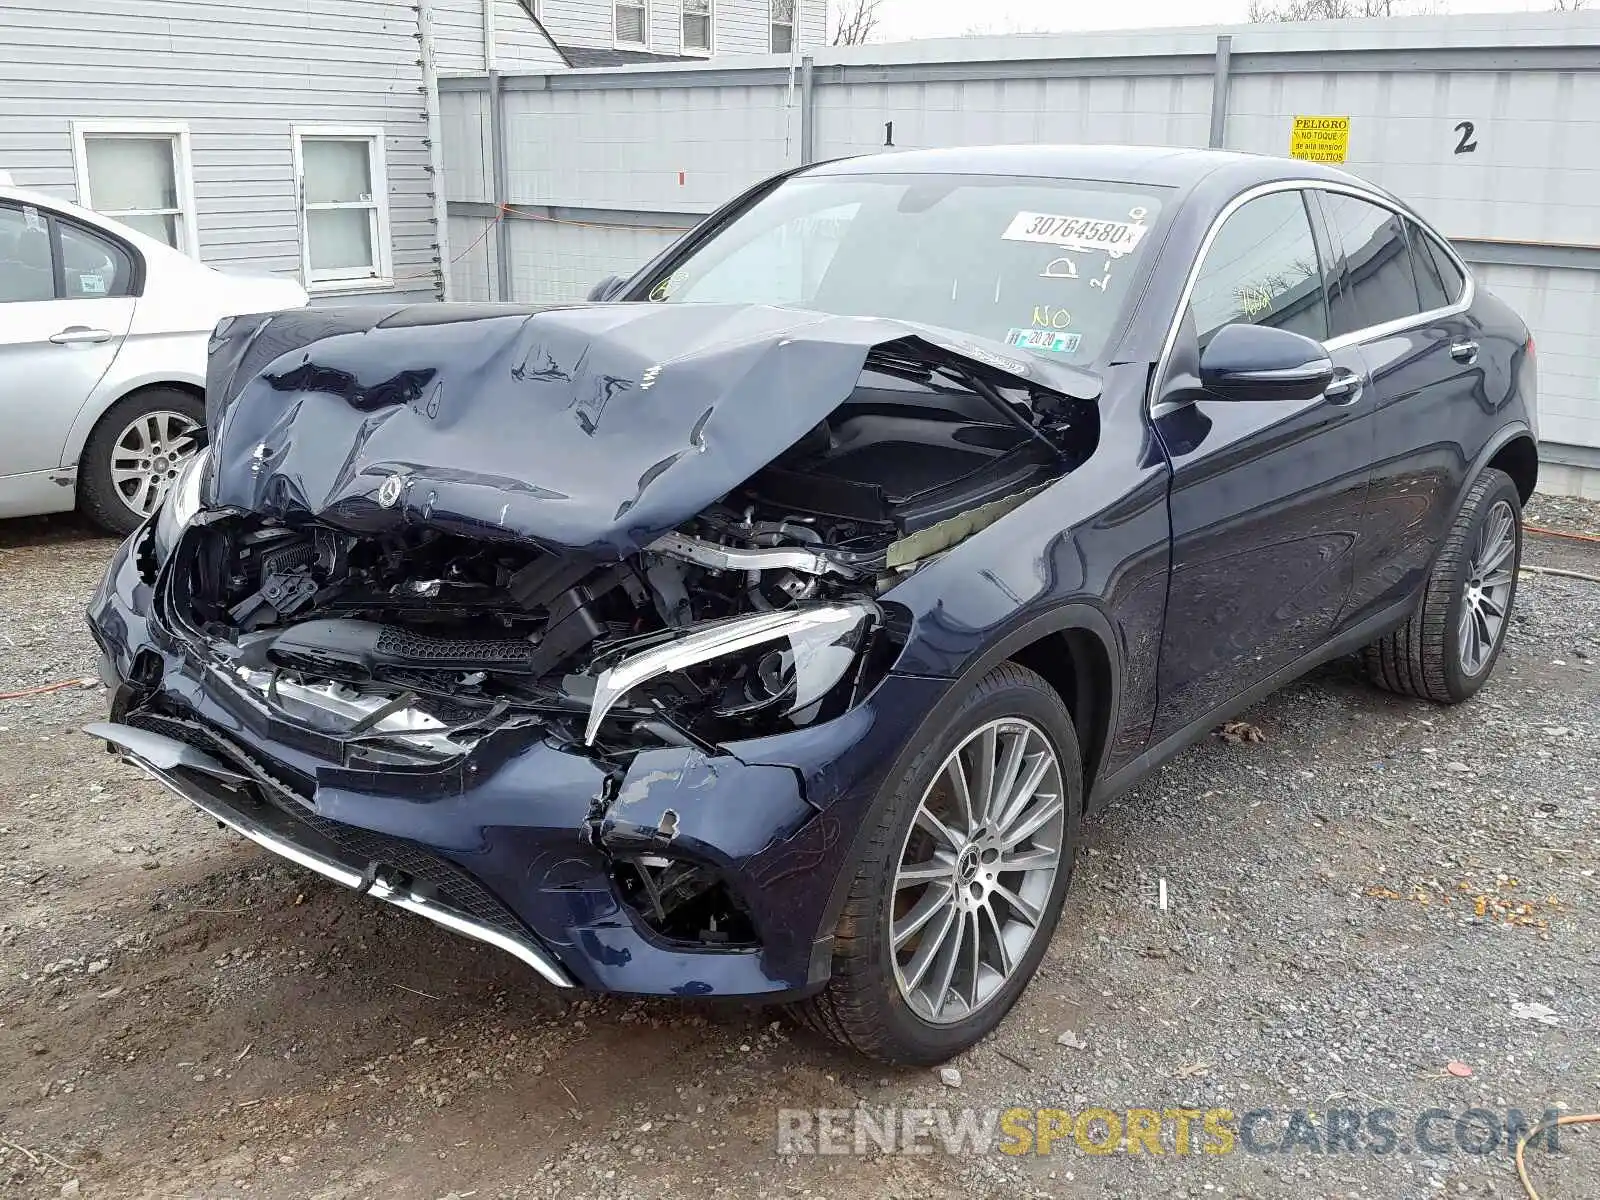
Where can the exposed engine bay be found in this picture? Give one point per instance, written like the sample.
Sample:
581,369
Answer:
417,642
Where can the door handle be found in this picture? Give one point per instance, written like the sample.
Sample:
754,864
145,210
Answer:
1345,389
72,335
1466,352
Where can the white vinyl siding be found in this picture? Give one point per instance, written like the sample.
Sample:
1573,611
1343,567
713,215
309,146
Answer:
343,207
141,174
239,76
739,26
519,44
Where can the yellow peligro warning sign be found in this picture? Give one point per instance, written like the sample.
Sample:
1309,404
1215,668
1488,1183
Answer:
1320,139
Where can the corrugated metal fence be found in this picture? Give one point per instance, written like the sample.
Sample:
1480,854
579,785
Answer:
1490,125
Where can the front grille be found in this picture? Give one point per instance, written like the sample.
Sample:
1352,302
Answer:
407,644
437,878
429,874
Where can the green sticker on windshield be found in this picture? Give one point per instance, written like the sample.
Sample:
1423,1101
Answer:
1044,339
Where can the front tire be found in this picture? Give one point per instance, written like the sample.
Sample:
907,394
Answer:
955,901
135,452
1448,648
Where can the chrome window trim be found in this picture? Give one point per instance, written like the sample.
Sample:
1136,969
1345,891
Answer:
1352,338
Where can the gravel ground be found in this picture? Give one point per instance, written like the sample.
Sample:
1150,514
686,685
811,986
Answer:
1374,890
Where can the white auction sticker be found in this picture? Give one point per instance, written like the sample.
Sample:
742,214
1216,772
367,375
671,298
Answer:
1085,234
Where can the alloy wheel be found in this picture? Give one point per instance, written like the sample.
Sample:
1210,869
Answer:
1486,598
147,456
977,870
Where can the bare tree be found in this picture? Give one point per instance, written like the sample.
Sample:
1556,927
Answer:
1568,5
1005,28
854,21
1335,10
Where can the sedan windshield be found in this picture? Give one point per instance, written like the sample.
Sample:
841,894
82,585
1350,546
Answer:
1037,264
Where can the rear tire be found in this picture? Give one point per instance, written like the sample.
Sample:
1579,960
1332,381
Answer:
109,493
877,1003
1447,650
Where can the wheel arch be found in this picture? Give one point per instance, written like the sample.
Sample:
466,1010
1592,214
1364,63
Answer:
1518,457
1071,646
86,433
1075,644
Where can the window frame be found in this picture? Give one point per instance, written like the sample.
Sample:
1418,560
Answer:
1311,215
710,48
1436,242
1153,405
378,207
616,39
54,222
773,25
177,132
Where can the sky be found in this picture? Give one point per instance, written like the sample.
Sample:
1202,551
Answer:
903,19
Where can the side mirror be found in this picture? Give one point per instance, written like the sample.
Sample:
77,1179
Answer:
1258,362
606,288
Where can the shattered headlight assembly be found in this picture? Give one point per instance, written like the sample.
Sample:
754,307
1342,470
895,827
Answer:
182,503
781,664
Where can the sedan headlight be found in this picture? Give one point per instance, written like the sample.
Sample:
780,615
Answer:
784,662
181,505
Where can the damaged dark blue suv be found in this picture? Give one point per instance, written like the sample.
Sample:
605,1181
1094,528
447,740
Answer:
766,626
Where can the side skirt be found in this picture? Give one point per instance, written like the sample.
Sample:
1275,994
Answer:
1109,788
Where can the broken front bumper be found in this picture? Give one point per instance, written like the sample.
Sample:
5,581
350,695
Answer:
517,843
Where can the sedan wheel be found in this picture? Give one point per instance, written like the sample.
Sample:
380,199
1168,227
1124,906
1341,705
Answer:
977,870
955,896
135,453
147,457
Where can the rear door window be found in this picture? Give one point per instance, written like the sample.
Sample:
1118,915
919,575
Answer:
93,267
1374,268
27,270
1262,268
1455,283
1430,287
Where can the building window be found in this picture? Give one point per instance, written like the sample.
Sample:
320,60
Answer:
140,174
697,25
631,22
783,26
344,207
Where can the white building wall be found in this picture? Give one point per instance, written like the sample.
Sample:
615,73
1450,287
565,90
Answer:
239,74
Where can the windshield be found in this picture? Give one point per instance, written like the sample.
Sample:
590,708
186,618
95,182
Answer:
1040,265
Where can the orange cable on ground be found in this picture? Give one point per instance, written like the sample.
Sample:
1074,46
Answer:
1577,537
41,690
1522,1169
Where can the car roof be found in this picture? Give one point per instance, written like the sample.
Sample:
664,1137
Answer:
1150,166
148,246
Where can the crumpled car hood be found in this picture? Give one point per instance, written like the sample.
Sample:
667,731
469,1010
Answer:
593,428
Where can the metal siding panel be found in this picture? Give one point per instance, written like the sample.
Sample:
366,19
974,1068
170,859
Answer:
468,149
239,75
559,263
627,147
474,261
1562,308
